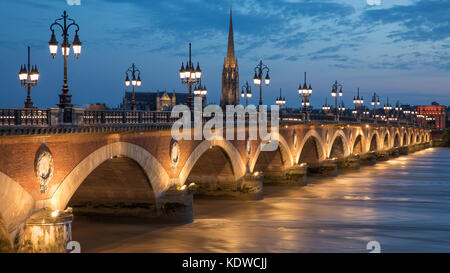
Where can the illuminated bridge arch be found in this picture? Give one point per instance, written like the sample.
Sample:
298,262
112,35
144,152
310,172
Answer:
312,138
154,171
227,147
284,149
339,139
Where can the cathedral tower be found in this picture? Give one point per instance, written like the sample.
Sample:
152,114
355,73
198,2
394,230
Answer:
230,73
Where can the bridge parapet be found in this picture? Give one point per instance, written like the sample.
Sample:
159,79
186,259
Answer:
48,121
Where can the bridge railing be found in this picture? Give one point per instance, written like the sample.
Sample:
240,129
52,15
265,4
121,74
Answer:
100,117
24,117
19,119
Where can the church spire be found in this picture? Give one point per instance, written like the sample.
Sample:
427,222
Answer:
230,72
230,51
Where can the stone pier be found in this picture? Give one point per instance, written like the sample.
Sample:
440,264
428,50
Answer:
351,162
383,155
251,187
328,167
46,231
368,159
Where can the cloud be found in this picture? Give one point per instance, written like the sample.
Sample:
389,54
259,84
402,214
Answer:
374,2
73,2
424,20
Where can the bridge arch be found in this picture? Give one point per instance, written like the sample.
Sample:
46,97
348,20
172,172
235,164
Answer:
373,142
338,144
154,171
386,139
284,150
404,139
312,137
227,147
16,204
358,142
397,140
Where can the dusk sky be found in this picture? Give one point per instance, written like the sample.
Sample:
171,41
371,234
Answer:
397,48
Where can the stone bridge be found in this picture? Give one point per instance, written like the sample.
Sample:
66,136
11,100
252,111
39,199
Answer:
142,171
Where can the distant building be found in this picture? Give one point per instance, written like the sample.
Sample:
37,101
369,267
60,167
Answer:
435,111
154,101
95,107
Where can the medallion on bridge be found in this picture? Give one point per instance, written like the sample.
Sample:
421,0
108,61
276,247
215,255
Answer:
44,167
174,154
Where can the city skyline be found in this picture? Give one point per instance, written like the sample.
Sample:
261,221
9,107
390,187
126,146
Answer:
378,48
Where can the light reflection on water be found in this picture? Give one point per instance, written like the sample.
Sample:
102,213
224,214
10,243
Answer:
403,203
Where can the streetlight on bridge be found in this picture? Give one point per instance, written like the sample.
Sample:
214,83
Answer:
257,79
190,76
201,91
336,94
326,107
65,98
358,102
28,76
398,109
375,102
280,101
135,81
246,93
341,108
305,92
387,108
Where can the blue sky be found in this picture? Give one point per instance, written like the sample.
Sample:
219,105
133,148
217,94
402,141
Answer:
396,48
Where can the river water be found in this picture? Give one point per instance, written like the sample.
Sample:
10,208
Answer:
404,204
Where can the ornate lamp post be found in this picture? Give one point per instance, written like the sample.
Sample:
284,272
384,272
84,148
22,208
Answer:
366,113
407,113
201,91
375,102
336,94
280,101
358,102
65,98
326,107
341,108
246,93
28,76
305,92
257,79
135,81
387,108
190,76
398,110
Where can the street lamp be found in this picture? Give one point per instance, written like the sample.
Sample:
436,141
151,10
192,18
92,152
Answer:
387,108
341,108
326,107
65,98
375,102
280,101
398,110
28,76
305,92
336,94
135,81
190,77
200,91
258,78
358,102
246,93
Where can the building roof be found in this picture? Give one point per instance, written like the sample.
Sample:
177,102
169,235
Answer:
149,98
